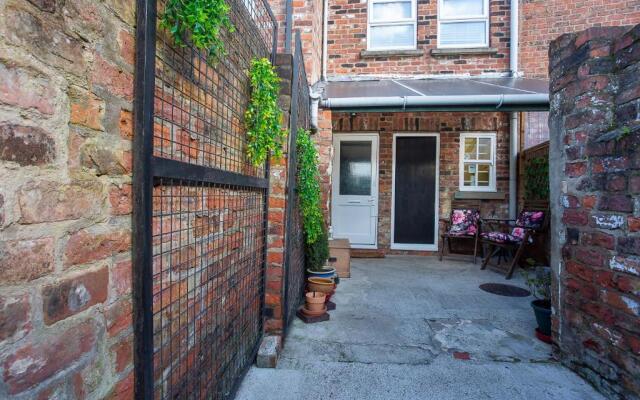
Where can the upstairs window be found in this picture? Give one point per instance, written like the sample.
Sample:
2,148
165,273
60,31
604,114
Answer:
392,25
478,162
463,23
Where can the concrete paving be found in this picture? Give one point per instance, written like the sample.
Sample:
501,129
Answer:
400,322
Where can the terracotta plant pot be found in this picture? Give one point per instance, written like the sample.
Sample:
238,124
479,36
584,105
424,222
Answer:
315,301
310,313
323,285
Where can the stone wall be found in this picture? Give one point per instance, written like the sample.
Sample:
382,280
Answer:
449,125
595,195
66,91
541,21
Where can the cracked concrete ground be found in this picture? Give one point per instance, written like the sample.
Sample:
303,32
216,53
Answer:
397,325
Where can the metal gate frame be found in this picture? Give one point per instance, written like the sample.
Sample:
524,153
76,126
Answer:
146,168
299,118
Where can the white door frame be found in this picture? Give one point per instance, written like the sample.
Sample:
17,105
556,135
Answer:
417,246
335,188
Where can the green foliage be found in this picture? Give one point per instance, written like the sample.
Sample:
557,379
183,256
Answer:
317,253
263,118
199,21
309,196
536,179
539,281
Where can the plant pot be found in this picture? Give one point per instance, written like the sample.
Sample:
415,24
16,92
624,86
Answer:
310,313
323,285
315,301
327,272
542,310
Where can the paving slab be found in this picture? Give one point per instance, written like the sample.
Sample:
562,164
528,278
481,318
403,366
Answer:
416,328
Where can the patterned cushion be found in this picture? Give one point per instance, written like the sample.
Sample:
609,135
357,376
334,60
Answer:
529,220
501,237
464,222
526,220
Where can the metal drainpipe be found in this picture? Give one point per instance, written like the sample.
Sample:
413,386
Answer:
325,31
514,141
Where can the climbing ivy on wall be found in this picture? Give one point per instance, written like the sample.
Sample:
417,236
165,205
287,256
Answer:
536,175
309,200
200,22
263,118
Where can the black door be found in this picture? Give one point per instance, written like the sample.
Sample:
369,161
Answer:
415,190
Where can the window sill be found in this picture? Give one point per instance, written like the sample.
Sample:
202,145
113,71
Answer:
464,51
461,195
391,53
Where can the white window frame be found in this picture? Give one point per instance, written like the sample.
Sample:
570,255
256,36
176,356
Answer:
492,163
464,18
404,21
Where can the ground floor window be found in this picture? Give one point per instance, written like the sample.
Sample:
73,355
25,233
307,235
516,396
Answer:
536,128
477,162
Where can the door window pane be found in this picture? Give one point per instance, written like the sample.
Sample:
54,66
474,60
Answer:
355,168
458,8
392,36
463,33
391,11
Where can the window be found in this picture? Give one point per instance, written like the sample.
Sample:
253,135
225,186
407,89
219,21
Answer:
463,23
392,25
478,162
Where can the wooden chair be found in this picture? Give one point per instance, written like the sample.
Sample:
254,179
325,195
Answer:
515,235
463,224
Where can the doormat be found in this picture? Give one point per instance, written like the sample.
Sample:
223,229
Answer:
505,290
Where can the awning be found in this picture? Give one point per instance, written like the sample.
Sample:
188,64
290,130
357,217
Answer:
438,94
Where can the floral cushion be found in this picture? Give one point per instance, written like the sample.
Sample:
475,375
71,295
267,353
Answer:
464,222
501,237
530,219
526,220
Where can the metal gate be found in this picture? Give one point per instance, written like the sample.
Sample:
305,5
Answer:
294,255
200,209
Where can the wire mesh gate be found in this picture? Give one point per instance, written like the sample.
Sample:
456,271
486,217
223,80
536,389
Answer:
294,254
200,209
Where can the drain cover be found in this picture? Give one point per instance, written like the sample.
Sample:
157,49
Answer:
505,290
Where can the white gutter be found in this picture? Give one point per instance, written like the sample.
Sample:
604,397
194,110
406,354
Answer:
325,30
486,100
514,139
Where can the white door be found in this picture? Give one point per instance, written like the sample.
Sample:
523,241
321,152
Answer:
354,207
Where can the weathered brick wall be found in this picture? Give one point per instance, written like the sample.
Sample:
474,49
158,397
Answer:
66,91
307,17
595,193
449,125
541,21
347,38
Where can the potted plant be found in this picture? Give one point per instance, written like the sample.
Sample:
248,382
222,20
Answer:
538,278
315,301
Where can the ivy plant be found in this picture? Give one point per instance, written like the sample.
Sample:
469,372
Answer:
200,22
309,200
263,118
536,183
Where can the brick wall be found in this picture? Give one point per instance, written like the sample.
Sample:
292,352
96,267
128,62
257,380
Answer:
541,21
66,90
347,39
307,17
449,125
595,184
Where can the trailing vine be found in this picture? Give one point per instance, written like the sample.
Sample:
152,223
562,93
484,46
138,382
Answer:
263,118
309,199
201,22
536,184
